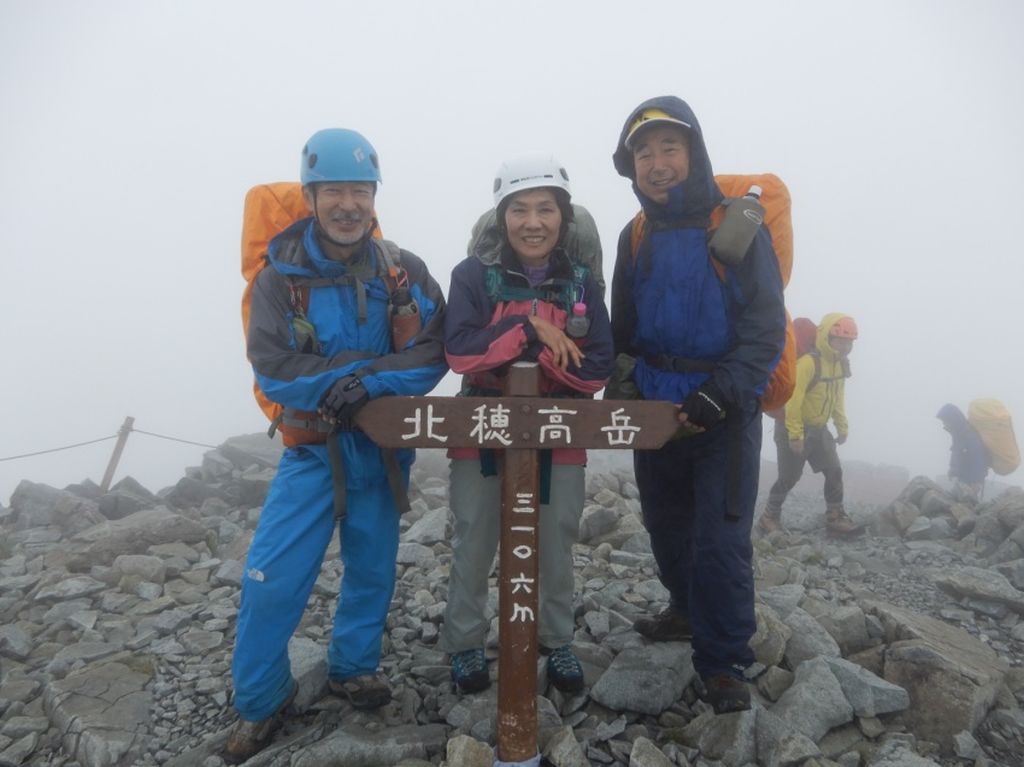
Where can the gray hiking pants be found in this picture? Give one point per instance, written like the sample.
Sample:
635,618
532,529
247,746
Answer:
819,451
476,507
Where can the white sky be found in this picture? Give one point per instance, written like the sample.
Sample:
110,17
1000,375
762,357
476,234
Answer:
132,130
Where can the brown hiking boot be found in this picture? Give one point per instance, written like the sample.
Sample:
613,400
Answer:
839,525
247,739
365,691
726,694
669,625
770,520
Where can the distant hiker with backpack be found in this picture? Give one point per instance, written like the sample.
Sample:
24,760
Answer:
819,396
526,300
969,458
707,335
322,343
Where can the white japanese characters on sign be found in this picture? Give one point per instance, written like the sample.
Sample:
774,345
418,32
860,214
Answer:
491,425
556,428
524,505
621,432
522,583
521,613
417,421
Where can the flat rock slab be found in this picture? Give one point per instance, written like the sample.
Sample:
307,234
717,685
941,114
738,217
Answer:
103,712
980,583
352,746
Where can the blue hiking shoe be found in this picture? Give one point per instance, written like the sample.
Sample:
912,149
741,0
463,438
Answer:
469,671
564,670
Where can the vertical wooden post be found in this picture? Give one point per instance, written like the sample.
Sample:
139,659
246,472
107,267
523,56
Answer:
518,587
122,437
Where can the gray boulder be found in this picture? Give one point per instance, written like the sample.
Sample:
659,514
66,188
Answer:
646,679
809,638
815,702
103,543
868,694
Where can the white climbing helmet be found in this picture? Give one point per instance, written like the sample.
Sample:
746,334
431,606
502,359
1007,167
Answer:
532,170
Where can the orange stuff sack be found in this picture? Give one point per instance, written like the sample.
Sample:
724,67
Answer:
778,218
992,421
269,210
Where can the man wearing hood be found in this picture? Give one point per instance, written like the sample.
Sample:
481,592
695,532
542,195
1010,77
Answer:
707,336
818,397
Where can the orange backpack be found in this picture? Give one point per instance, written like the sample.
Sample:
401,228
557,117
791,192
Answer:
777,217
269,210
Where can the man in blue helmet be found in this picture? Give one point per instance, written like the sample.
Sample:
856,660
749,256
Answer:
322,343
707,337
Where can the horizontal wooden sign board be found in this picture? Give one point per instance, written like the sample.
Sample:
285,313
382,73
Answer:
518,422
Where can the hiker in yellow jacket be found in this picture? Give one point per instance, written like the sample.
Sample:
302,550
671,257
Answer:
819,396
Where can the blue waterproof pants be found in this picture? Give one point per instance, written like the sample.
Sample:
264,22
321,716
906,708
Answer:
697,497
284,560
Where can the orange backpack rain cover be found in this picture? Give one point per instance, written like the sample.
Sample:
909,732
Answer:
269,210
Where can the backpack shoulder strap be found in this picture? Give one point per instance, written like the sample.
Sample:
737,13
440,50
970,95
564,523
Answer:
493,282
580,274
638,231
298,295
392,271
813,354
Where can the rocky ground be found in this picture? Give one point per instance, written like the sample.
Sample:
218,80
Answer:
904,647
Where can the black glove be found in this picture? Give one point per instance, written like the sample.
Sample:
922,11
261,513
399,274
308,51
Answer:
343,400
704,407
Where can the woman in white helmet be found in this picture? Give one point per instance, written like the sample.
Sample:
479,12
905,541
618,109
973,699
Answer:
525,300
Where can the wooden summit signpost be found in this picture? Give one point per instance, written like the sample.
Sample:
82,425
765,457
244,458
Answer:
519,424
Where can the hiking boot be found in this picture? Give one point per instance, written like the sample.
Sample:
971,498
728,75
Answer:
839,525
770,521
364,691
564,669
726,694
669,625
469,671
247,738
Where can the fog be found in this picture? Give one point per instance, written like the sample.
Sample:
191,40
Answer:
131,132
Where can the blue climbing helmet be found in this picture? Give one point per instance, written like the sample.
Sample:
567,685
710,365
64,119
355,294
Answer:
338,154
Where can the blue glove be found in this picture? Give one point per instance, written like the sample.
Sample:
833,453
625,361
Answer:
343,400
704,407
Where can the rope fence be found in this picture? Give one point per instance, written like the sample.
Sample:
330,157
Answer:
58,449
105,439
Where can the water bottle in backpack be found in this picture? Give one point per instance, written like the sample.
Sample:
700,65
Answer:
743,217
405,318
577,325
